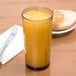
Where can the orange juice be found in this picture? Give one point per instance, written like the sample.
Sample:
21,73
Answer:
37,34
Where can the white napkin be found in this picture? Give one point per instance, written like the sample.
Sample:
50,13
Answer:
15,46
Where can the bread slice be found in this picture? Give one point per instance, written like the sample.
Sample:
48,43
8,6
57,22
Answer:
58,18
63,19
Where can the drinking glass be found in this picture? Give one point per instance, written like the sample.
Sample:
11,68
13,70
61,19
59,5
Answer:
37,28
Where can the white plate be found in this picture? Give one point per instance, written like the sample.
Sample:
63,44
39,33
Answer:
64,31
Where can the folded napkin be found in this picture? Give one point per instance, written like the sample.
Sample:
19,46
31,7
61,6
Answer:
14,47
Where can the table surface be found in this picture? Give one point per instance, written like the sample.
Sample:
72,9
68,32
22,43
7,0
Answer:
63,52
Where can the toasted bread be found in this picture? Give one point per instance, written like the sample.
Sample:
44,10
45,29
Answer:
63,19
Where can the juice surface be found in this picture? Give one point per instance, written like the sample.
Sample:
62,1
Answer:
37,15
38,38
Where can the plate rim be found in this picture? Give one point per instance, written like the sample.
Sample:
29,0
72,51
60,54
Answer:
64,31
